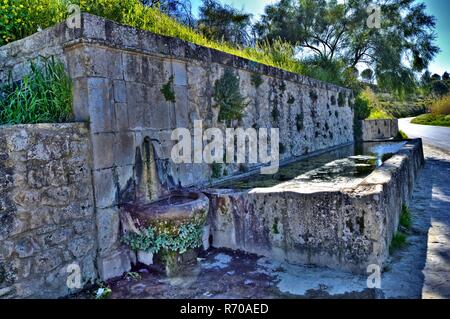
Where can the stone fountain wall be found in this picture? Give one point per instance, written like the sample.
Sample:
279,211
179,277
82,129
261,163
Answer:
119,73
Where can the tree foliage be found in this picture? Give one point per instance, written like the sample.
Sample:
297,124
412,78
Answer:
223,22
335,31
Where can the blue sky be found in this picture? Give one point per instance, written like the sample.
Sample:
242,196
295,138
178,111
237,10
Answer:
439,8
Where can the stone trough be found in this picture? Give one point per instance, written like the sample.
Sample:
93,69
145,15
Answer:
346,226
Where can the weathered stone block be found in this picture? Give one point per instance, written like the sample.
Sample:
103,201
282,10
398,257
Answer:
114,265
103,145
125,148
108,230
100,105
105,188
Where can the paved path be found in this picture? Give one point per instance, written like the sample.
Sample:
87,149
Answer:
422,269
431,135
437,267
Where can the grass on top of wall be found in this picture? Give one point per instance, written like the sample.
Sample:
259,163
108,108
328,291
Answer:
44,95
21,18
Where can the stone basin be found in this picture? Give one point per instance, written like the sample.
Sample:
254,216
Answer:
179,206
167,217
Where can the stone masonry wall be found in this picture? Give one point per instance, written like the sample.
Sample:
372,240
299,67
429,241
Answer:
118,75
379,129
47,219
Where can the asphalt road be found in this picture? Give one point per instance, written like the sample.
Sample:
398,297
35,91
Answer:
431,135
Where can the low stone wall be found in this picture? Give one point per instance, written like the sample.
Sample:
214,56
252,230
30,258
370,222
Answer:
47,219
379,129
346,229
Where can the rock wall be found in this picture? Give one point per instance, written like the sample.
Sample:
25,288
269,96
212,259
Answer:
346,229
47,219
120,75
379,129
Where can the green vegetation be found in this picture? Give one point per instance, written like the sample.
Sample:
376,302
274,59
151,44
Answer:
405,217
168,91
167,237
228,97
216,169
432,119
133,276
402,135
24,17
299,121
329,30
440,114
398,242
44,95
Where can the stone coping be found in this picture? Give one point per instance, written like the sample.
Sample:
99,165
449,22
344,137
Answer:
100,31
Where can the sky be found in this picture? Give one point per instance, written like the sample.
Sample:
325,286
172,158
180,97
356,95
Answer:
439,8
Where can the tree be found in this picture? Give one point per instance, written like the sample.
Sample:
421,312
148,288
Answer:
436,77
223,22
446,76
181,10
331,31
367,75
440,88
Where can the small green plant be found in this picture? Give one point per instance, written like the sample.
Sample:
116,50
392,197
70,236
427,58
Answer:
133,276
229,98
44,95
168,91
398,242
402,135
341,99
103,293
256,80
275,113
405,217
313,95
299,121
275,229
166,237
216,169
291,99
333,100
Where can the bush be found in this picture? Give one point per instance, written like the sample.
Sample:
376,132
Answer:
441,106
402,135
432,119
42,96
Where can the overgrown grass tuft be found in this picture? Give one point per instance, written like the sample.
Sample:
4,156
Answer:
398,242
44,95
405,217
